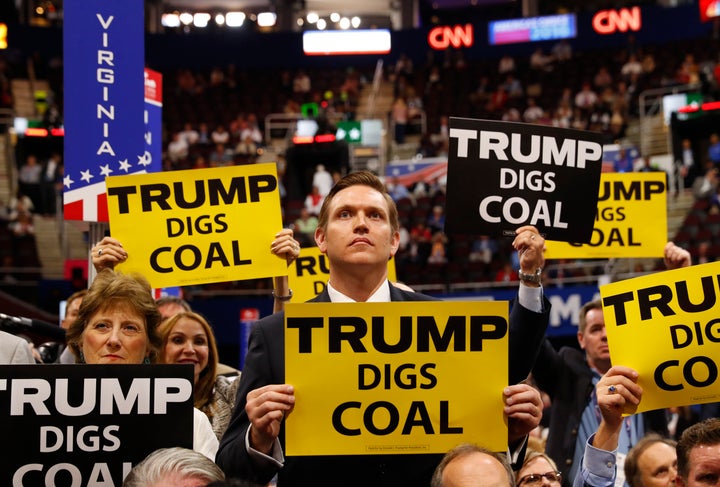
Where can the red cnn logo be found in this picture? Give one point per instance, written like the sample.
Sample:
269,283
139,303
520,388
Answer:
611,21
458,36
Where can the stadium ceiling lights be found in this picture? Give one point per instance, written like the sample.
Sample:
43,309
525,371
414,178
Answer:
263,19
340,22
202,19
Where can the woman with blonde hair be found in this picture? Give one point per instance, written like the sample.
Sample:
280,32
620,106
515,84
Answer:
187,338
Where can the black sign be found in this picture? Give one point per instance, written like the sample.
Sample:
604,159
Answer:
503,175
83,425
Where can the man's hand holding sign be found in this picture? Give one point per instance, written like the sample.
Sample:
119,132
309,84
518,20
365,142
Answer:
674,315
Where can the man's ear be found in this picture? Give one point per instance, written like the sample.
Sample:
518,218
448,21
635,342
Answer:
394,244
320,239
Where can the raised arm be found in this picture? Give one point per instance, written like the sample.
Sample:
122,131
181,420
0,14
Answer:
529,316
616,389
286,247
530,246
108,253
675,256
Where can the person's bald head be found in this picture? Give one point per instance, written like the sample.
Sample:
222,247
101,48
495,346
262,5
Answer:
469,465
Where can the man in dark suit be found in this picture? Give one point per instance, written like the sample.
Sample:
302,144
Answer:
358,231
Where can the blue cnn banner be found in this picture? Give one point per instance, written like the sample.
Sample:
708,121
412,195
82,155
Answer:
103,42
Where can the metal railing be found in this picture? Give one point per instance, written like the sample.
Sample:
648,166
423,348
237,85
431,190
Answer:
417,124
377,81
7,116
650,103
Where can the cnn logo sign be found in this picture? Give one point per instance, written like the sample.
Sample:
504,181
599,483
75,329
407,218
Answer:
611,21
441,38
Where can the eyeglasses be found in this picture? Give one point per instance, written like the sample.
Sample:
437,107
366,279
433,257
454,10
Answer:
536,478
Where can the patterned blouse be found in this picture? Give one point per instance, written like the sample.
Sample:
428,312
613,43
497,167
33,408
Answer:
223,403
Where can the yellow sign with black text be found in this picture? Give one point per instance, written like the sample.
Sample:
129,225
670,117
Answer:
309,274
667,327
631,219
198,226
394,378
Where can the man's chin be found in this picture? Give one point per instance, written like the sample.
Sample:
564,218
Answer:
363,258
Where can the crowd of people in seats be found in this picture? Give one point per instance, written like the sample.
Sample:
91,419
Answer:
39,190
18,246
589,90
698,166
216,117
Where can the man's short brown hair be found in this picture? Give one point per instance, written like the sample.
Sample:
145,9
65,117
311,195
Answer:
359,178
704,433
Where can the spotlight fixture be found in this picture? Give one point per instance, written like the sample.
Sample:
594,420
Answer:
266,19
201,19
186,18
234,19
170,20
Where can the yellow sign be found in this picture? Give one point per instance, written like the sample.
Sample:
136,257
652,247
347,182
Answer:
309,274
194,227
393,378
631,219
667,327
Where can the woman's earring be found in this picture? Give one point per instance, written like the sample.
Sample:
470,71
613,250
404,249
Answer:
146,361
